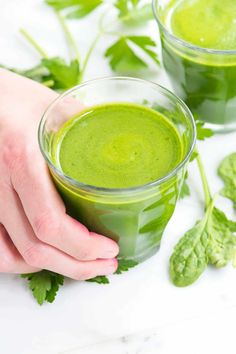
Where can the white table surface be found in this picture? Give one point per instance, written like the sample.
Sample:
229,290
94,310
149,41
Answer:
141,311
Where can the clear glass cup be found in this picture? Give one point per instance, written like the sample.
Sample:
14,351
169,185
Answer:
134,217
204,78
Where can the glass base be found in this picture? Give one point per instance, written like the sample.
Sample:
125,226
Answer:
144,256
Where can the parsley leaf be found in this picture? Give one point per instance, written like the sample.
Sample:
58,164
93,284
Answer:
44,285
134,12
37,73
146,44
227,171
63,75
185,190
193,156
100,279
203,133
123,58
75,8
123,7
124,265
53,72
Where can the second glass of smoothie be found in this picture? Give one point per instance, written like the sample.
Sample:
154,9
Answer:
199,54
117,150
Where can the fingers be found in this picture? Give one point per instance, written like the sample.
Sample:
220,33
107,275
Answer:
40,255
10,259
46,214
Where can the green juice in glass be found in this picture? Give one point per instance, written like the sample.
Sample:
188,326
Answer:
120,146
199,55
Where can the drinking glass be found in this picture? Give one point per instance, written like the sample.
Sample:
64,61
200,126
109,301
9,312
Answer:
204,78
134,217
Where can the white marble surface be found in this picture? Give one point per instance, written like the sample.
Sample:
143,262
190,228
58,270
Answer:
141,311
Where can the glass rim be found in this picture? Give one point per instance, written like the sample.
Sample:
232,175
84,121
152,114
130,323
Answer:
184,43
93,188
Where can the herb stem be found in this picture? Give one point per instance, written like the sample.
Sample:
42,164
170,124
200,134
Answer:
31,40
205,184
70,39
89,53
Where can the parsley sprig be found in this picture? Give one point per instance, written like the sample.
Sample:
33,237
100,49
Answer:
128,53
45,284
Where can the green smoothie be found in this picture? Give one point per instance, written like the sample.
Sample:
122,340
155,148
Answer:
205,23
204,79
124,146
118,146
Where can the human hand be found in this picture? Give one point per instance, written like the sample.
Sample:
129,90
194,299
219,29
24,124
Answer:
35,231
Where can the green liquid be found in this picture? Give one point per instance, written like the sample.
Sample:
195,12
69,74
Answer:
205,23
118,146
206,82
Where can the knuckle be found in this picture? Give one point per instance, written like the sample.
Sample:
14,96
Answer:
16,153
85,255
47,226
35,256
12,152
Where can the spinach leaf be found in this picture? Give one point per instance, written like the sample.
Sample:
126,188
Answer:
189,258
227,171
210,241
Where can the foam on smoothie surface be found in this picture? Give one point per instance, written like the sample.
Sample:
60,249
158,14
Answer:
205,23
118,146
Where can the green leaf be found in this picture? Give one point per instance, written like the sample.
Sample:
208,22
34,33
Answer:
193,156
37,73
53,72
189,258
185,190
203,133
123,7
210,241
64,75
101,279
56,281
145,43
221,247
227,171
75,8
140,15
44,285
123,58
133,12
124,265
